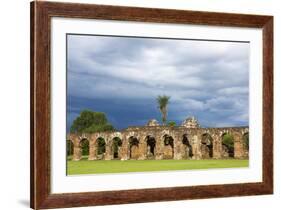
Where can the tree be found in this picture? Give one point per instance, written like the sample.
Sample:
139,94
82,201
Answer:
101,146
162,105
228,141
85,147
90,122
99,128
172,123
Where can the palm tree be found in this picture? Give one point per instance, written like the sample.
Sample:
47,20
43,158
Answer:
162,105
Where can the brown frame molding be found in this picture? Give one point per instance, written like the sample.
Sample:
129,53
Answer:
41,14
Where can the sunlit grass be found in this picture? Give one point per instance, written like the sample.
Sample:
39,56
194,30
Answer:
85,166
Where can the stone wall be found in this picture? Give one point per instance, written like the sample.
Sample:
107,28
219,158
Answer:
163,142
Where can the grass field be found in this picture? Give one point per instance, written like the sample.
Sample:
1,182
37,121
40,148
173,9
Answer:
85,166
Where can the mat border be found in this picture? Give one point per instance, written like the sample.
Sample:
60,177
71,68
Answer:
40,108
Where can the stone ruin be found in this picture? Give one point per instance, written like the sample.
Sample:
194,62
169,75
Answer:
154,141
190,122
152,122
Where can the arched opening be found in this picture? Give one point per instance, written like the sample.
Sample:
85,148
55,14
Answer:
206,146
116,145
134,147
246,144
84,145
187,153
100,148
69,149
227,145
168,150
150,142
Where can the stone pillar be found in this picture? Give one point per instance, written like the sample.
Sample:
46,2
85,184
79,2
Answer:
108,149
196,145
184,151
177,148
119,152
238,146
217,146
77,154
142,149
92,149
124,150
159,148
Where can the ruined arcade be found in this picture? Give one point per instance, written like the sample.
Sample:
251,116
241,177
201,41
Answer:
154,141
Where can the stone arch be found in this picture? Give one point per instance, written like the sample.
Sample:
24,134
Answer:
187,147
134,147
150,145
206,146
116,147
100,147
69,148
227,145
168,148
84,145
117,134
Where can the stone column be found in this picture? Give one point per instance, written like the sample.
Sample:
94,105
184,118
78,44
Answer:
108,149
119,152
159,148
238,146
77,154
142,148
177,148
196,145
217,146
184,151
92,148
124,150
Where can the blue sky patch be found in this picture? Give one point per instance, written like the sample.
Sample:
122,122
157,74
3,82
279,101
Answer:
122,76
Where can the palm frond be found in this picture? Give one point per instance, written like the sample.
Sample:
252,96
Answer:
163,101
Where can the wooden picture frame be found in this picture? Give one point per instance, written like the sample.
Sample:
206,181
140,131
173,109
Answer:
41,14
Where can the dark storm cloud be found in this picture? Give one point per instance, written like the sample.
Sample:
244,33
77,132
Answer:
122,77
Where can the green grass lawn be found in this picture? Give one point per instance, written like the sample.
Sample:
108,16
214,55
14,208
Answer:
85,166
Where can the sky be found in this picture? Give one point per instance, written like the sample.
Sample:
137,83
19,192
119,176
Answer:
122,77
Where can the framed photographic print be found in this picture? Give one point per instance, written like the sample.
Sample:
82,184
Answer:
140,105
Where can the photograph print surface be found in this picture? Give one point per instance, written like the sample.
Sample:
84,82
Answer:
137,104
